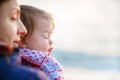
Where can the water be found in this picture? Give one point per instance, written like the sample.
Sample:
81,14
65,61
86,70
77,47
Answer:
82,60
80,66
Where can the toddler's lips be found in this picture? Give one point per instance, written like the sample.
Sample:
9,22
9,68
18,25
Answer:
50,50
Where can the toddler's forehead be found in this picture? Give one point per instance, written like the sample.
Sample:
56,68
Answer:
19,1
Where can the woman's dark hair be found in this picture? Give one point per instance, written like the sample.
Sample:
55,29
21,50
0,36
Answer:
2,1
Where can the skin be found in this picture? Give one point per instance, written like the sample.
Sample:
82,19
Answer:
11,27
41,36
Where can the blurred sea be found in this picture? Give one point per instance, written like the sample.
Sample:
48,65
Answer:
81,66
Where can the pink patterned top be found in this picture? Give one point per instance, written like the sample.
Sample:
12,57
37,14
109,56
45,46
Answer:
43,61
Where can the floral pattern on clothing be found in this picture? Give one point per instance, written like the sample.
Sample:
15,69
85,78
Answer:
43,61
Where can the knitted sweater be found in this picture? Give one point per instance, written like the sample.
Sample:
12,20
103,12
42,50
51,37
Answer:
10,68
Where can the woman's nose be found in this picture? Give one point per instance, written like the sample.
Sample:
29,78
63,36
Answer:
21,30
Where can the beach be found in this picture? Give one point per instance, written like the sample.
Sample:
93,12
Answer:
72,73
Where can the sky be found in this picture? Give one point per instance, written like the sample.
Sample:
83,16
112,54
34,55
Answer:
90,26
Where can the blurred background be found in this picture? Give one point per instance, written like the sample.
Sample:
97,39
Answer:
86,37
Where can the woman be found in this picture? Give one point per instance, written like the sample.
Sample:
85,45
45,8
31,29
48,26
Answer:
11,29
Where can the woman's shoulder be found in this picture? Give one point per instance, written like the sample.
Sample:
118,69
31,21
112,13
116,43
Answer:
27,73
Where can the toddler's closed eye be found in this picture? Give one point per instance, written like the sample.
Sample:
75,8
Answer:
46,36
